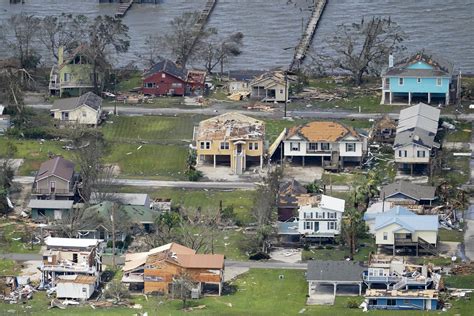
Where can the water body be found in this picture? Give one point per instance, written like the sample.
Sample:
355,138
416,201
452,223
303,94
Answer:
272,27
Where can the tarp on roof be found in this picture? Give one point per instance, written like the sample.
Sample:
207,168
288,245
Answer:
51,204
71,242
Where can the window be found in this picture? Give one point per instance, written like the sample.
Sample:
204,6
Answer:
332,225
313,147
224,145
294,146
52,186
421,154
255,146
400,81
308,225
331,215
84,114
308,215
350,147
320,215
150,85
439,82
84,290
391,302
324,146
250,146
41,212
205,145
402,153
385,236
67,77
418,80
281,91
406,302
74,257
176,85
163,75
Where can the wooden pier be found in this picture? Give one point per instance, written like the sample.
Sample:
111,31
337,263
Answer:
305,42
123,8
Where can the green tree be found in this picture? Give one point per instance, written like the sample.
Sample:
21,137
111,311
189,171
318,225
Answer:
353,227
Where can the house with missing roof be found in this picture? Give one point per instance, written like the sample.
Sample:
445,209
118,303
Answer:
329,144
84,110
377,299
395,273
167,78
272,86
404,192
231,139
399,229
73,74
154,271
76,264
319,218
421,77
289,194
415,142
55,180
50,210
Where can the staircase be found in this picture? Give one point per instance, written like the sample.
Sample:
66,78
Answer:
427,247
400,284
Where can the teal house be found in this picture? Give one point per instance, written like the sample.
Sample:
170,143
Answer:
420,78
50,210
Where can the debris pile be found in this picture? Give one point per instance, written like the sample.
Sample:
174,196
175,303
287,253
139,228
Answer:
464,269
17,295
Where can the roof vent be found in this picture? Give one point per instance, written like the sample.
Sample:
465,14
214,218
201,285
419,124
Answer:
416,138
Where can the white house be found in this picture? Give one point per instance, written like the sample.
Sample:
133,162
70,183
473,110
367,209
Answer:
399,227
270,87
86,109
321,219
329,144
75,286
415,139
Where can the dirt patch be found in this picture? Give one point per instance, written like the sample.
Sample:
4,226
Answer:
30,269
286,255
303,174
223,173
448,248
231,273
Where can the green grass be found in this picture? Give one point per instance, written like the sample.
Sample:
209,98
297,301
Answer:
460,170
8,267
451,235
227,243
33,152
165,162
133,82
461,134
258,292
155,129
460,281
340,252
437,261
10,231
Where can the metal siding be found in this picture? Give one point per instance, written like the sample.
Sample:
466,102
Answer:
426,85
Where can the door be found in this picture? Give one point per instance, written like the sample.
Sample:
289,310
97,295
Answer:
239,148
52,186
74,257
316,227
58,214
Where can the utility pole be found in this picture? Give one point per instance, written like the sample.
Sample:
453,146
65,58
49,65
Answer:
286,91
112,219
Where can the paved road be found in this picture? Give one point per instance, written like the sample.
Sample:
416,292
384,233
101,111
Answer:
229,263
469,215
220,109
183,184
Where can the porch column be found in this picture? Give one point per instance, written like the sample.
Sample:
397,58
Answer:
391,97
360,289
394,247
429,97
447,98
214,161
335,288
383,97
220,288
261,162
417,249
302,161
409,98
197,159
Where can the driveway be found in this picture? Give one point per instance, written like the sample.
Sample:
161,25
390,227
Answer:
321,295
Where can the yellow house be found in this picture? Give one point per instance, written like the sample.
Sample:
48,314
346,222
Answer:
85,110
231,139
400,228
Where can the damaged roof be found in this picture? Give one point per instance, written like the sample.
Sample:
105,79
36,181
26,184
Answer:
230,126
169,67
416,136
441,67
322,131
370,293
58,167
289,192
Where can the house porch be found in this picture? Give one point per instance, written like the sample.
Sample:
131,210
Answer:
408,98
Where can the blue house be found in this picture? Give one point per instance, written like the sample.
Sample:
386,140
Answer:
419,78
402,300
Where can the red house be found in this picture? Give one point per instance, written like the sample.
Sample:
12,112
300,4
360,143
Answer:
166,78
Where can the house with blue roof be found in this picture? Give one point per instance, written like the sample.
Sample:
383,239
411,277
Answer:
399,229
421,77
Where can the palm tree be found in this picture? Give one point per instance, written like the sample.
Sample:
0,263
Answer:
353,227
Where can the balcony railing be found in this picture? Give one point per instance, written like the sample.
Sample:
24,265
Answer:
55,191
318,151
382,279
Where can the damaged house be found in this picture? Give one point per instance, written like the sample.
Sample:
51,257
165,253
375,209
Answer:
76,264
231,139
154,271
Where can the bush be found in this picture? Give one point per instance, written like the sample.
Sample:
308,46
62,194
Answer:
352,303
194,175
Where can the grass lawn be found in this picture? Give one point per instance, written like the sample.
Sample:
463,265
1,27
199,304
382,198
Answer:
33,152
340,253
14,238
340,178
460,281
451,235
258,292
166,162
8,267
156,129
458,174
461,134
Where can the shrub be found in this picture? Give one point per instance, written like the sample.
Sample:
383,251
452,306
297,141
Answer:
194,175
352,303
